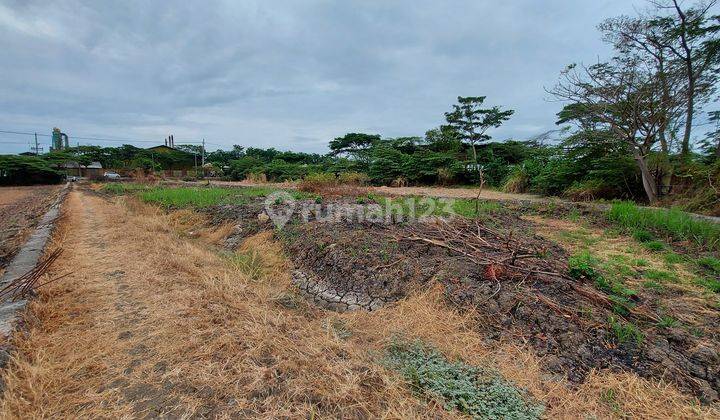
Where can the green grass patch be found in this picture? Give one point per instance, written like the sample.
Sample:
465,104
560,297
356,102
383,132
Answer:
710,263
203,197
711,284
124,188
672,258
671,222
432,206
642,235
654,246
659,275
249,263
473,391
651,284
667,322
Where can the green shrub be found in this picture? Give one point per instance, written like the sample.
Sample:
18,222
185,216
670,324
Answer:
473,391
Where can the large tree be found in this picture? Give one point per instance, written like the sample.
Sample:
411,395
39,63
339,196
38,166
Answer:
689,35
355,145
626,97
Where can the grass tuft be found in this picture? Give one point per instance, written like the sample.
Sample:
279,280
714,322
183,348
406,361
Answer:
625,332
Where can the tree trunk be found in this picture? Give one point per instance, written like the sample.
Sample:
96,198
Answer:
647,178
688,116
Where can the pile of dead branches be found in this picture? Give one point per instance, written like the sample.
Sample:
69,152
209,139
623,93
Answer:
499,251
20,287
506,257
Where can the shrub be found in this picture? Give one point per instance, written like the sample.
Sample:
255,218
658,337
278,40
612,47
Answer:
473,391
587,190
27,170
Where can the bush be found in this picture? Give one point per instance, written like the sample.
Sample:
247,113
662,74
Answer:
472,391
27,170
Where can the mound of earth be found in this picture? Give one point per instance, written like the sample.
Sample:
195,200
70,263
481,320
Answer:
514,280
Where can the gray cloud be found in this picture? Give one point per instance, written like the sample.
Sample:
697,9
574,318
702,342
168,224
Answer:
286,74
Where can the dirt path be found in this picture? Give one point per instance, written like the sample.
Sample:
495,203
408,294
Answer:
151,324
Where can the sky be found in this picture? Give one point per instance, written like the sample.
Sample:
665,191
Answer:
286,74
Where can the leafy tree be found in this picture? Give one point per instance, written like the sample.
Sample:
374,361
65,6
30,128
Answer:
355,145
27,170
471,121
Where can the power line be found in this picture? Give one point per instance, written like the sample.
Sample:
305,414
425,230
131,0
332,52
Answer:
117,140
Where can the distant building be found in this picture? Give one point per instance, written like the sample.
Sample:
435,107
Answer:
93,170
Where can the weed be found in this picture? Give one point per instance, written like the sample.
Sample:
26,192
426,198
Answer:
471,390
583,266
337,327
123,188
574,215
672,222
711,263
625,333
654,246
667,322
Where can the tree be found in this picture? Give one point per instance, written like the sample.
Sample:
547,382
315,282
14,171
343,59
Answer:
471,122
689,35
626,97
355,145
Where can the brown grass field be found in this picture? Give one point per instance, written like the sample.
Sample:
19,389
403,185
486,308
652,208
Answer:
155,320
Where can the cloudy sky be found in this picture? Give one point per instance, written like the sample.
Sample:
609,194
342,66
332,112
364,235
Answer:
287,74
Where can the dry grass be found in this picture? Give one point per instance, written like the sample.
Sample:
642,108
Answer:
182,331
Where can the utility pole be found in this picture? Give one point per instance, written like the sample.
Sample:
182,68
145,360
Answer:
203,153
37,147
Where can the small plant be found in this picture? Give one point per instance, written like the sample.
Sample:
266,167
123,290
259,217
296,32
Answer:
583,266
667,322
711,263
640,262
625,333
654,246
642,235
473,391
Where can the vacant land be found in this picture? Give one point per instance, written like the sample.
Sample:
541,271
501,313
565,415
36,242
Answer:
20,208
189,301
